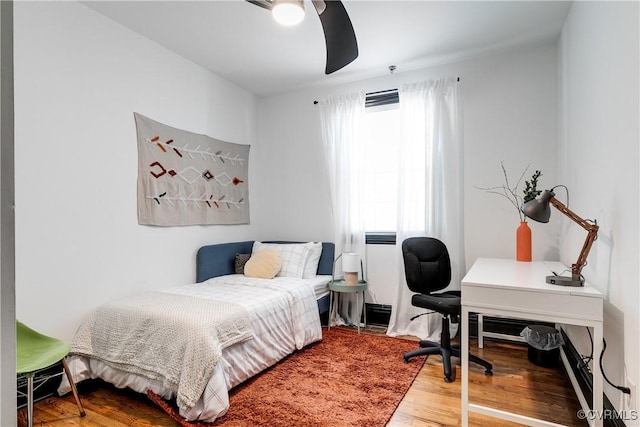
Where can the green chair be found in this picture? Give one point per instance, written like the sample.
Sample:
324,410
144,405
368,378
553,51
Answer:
35,352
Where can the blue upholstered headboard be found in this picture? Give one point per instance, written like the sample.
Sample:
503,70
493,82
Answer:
218,260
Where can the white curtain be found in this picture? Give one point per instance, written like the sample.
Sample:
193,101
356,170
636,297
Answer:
342,120
430,191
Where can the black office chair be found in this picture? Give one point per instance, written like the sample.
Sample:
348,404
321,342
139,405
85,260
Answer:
427,268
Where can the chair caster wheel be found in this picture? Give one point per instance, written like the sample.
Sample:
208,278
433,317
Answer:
406,359
448,380
488,373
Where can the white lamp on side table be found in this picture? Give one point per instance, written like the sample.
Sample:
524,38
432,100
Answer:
351,265
350,283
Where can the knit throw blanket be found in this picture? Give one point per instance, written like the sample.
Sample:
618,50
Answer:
171,338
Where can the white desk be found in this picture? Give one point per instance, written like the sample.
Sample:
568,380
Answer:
504,287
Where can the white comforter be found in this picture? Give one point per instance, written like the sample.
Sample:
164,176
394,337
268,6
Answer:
284,317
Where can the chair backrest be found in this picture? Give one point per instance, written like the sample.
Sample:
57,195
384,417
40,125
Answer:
427,266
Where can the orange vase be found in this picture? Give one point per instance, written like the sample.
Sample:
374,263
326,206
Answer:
523,242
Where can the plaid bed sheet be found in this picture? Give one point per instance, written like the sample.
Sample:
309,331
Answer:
284,317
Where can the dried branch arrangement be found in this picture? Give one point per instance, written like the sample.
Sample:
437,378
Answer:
510,191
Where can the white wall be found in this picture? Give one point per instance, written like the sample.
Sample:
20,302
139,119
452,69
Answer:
7,222
510,114
78,79
599,162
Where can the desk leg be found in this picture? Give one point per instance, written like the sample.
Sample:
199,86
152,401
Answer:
464,351
480,330
597,375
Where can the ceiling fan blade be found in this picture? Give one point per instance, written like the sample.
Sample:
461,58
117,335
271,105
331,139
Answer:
342,47
339,36
262,3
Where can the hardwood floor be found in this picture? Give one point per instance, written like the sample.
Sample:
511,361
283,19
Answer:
516,385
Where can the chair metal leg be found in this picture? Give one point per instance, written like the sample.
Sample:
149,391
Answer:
425,351
30,399
427,343
446,350
434,348
446,363
73,387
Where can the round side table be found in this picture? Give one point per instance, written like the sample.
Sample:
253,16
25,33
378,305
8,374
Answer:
340,287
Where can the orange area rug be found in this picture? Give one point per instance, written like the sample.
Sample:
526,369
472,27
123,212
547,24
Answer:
347,379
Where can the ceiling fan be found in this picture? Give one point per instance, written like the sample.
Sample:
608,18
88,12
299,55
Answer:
340,39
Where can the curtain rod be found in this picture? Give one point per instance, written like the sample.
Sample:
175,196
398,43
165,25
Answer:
315,102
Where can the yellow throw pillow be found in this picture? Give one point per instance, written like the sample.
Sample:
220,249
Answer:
263,264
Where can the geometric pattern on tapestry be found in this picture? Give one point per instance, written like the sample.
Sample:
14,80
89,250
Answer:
185,178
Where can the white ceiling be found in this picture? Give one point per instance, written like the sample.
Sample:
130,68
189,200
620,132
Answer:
243,44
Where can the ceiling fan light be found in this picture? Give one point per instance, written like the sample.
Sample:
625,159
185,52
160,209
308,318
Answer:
288,12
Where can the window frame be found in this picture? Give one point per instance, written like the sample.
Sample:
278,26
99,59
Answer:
380,238
373,100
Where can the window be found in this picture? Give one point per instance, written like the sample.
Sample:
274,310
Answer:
382,139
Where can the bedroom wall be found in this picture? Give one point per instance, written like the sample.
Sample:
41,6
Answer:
599,162
7,222
78,79
510,114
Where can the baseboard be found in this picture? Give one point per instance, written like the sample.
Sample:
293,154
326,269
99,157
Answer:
378,314
585,380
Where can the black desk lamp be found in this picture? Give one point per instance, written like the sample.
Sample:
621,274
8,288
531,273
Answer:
539,210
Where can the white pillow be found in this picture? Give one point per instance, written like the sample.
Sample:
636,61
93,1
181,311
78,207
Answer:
313,259
293,255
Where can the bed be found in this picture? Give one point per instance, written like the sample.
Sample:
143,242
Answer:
265,319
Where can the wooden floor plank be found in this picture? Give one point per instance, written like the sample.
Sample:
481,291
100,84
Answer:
516,385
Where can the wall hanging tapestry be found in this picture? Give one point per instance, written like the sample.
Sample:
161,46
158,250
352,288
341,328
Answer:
189,179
